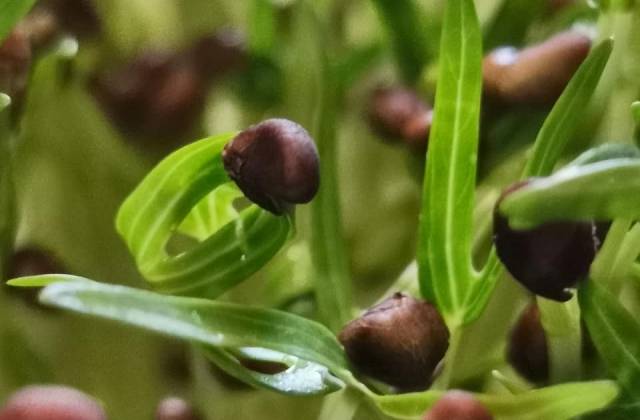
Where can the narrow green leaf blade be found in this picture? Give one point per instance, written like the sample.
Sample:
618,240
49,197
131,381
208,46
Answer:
209,323
615,333
559,126
446,220
11,11
558,402
602,190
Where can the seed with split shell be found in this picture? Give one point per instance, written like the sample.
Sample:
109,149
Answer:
548,259
51,402
274,163
537,74
400,342
399,113
527,351
458,405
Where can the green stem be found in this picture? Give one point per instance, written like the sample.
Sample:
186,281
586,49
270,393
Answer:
602,267
561,322
340,405
627,254
446,376
328,248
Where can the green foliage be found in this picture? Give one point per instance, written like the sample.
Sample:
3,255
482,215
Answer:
446,220
309,348
561,123
602,190
615,333
11,11
164,201
558,402
404,24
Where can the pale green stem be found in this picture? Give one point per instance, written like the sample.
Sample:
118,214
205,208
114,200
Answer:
443,381
340,405
561,322
624,261
601,269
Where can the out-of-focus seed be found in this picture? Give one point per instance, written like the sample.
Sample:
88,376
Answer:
275,163
458,405
399,113
78,17
219,53
400,341
15,62
537,74
158,95
41,26
51,402
174,408
527,350
548,259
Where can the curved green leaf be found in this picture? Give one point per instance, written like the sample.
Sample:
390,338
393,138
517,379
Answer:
311,349
181,194
602,190
615,333
446,220
557,402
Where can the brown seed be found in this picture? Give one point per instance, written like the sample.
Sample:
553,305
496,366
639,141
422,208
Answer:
535,75
217,54
527,350
159,95
548,259
15,62
51,402
41,26
174,408
458,405
275,163
78,17
399,113
400,341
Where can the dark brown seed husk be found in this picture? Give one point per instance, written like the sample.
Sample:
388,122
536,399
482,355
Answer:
458,405
527,351
536,75
51,402
400,114
275,163
548,259
399,341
